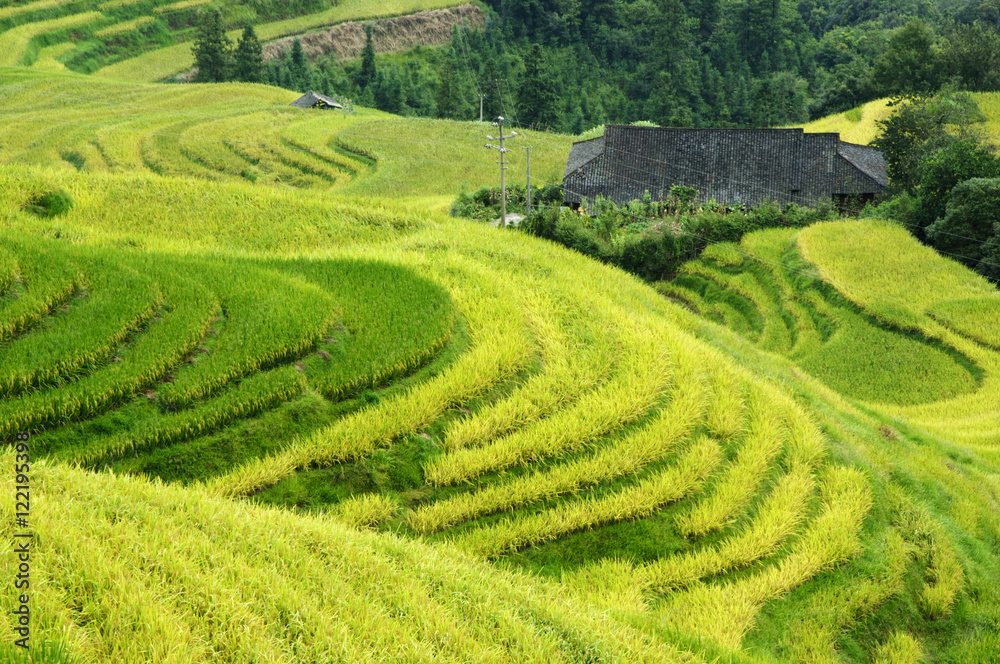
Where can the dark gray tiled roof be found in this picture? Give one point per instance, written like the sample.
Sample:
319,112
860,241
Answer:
310,99
583,152
732,166
867,159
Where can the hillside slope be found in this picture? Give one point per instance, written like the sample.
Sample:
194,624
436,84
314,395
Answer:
679,490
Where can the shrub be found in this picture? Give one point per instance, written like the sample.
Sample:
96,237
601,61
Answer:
51,204
968,224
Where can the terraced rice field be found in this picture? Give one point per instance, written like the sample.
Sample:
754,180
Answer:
239,133
150,40
560,464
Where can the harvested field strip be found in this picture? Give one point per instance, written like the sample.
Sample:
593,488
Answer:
162,346
285,173
389,331
634,502
725,612
117,301
252,396
338,160
778,517
738,483
643,377
621,458
500,347
13,42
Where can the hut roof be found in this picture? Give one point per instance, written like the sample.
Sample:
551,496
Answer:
315,100
732,166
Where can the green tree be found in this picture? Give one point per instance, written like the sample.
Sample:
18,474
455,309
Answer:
368,73
298,67
448,98
910,64
942,170
211,49
248,60
674,70
970,221
972,54
919,126
536,100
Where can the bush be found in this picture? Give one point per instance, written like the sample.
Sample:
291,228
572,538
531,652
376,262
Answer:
969,222
51,204
941,171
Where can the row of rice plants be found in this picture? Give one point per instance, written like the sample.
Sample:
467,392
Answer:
297,315
973,317
124,26
495,317
777,518
768,249
395,321
13,42
774,520
621,458
37,5
643,377
577,353
191,309
118,301
253,395
739,481
8,270
815,631
49,277
366,510
139,571
775,335
642,499
726,611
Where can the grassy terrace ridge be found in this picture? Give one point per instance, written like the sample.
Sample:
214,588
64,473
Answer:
804,471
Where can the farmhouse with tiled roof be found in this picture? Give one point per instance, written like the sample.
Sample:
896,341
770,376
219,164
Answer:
731,166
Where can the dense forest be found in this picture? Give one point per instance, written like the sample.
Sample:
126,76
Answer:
572,64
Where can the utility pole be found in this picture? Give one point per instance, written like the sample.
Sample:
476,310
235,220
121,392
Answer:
503,167
481,98
527,151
